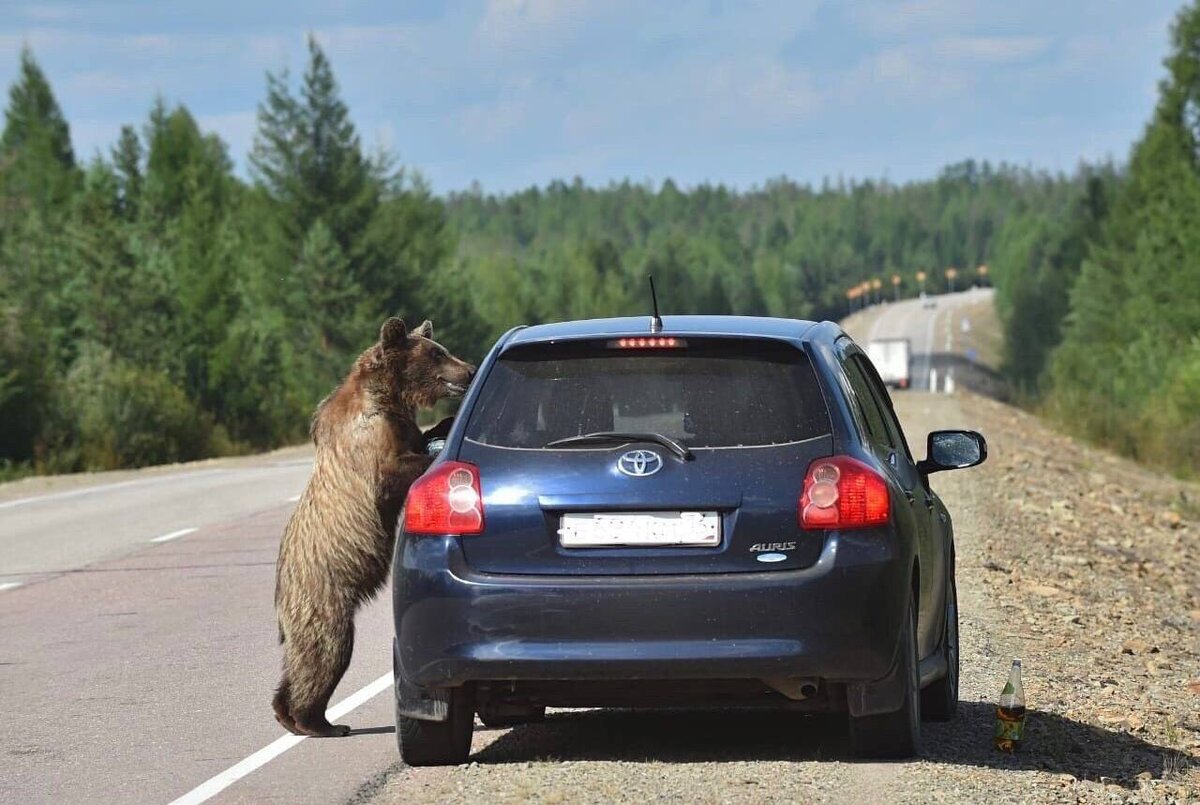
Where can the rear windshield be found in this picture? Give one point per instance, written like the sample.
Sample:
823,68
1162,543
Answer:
709,394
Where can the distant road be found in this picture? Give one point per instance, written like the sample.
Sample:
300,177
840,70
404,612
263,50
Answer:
935,333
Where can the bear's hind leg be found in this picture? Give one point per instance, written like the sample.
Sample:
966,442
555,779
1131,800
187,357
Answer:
315,669
283,708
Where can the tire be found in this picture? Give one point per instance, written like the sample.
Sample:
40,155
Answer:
939,701
897,734
439,743
509,715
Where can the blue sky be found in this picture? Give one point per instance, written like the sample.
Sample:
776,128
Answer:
518,92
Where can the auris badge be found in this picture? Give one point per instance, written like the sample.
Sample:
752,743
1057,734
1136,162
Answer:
640,463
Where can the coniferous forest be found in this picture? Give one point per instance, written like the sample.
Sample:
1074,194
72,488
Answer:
157,305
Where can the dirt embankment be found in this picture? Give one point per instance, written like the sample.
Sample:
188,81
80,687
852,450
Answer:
1081,564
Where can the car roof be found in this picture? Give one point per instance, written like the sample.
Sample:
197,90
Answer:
738,326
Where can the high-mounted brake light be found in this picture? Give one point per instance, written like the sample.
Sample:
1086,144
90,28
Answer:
647,342
445,500
843,492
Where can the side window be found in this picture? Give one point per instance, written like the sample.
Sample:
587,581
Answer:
883,401
868,409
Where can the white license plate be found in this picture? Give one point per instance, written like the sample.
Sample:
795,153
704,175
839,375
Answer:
616,529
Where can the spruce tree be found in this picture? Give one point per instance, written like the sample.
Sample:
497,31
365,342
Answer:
127,157
36,142
308,156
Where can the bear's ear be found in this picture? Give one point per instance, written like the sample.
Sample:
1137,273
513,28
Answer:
425,330
393,333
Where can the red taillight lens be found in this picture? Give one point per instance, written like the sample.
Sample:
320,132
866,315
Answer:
445,500
842,492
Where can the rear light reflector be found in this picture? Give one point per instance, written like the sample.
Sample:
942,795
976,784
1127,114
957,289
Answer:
648,342
842,492
445,500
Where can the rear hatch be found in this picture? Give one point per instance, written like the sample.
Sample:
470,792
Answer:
704,474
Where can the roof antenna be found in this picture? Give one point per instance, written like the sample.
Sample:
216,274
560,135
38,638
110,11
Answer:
656,324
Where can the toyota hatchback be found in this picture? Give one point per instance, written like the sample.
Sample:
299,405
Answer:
708,511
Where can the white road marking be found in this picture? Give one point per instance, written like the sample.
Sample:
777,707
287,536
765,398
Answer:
92,490
293,499
929,344
9,585
183,532
215,785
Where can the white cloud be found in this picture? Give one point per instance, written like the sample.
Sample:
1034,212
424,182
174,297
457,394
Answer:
525,24
992,48
905,75
53,12
235,128
110,83
894,18
757,93
358,37
492,121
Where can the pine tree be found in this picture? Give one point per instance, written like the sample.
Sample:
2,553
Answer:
308,156
322,286
127,157
36,142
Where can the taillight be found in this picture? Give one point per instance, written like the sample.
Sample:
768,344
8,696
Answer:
445,500
648,342
842,492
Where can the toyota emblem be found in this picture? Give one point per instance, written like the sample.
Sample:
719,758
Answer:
640,463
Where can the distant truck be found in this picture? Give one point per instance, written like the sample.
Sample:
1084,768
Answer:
891,358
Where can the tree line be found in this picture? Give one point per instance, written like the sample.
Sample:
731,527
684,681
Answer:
1101,301
156,306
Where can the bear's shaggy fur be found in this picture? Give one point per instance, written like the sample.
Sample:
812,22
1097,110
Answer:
337,547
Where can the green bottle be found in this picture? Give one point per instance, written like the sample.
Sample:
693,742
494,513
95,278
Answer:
1010,712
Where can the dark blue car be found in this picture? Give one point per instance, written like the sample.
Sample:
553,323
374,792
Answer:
710,511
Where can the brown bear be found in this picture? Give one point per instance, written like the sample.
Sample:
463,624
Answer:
337,548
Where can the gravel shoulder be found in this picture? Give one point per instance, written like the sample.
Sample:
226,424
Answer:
1082,564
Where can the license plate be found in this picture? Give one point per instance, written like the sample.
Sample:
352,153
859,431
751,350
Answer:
619,529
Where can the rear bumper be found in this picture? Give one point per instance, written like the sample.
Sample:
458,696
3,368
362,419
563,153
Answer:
838,620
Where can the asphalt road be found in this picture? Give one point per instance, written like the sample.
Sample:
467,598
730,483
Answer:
139,646
934,342
140,671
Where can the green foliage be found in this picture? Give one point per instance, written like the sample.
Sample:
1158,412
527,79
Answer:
1037,260
154,307
786,249
35,146
1126,373
114,414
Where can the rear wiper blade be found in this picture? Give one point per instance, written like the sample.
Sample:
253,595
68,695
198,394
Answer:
610,436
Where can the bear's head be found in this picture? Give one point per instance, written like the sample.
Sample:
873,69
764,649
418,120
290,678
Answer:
411,367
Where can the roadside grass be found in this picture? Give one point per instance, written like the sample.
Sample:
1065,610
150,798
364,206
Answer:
985,336
14,471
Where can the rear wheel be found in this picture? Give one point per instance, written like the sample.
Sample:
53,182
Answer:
896,734
939,701
439,743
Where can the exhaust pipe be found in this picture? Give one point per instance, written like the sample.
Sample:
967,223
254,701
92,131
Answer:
796,688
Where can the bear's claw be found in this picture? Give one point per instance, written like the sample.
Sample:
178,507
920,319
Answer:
325,730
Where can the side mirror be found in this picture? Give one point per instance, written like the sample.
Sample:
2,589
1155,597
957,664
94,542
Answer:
953,450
